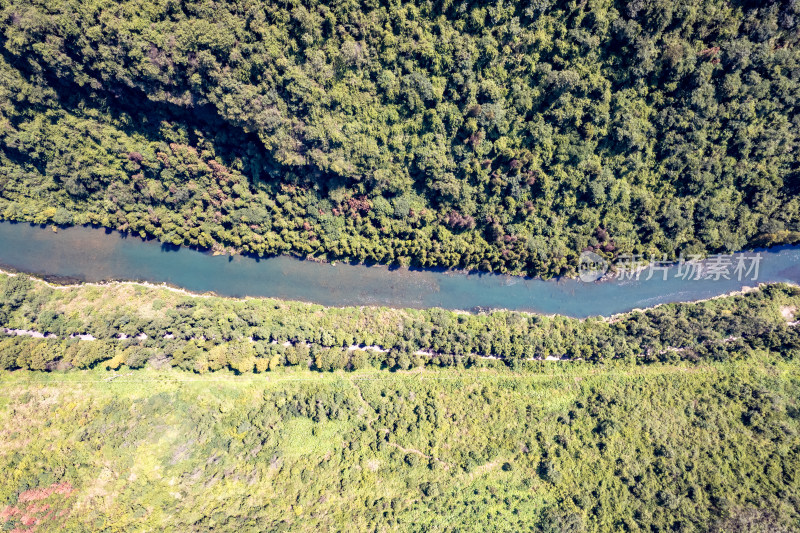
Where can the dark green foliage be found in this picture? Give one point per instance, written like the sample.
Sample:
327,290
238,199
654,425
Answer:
499,136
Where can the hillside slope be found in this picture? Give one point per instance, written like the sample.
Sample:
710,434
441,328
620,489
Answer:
498,136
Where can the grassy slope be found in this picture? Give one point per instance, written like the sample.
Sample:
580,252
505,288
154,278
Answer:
576,448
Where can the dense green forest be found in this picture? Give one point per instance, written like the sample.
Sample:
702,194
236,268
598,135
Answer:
654,448
503,136
138,326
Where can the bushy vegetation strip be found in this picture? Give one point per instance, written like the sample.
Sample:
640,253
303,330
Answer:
133,324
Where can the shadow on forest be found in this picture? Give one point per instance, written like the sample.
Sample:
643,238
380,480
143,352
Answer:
125,106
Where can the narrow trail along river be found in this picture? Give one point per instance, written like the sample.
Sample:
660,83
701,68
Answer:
91,254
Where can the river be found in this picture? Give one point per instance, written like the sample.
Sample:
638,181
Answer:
93,254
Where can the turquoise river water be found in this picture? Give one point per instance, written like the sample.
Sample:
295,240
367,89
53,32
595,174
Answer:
92,254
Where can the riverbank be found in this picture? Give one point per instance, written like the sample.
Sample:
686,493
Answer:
631,271
184,292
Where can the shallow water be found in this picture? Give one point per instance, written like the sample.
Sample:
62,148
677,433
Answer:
91,254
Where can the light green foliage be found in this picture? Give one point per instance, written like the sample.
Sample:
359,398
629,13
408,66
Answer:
652,448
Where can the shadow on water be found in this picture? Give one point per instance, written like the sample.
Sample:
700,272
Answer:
98,254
